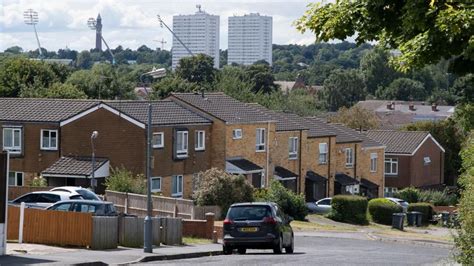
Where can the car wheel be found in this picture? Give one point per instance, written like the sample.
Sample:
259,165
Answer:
278,249
241,250
226,250
291,248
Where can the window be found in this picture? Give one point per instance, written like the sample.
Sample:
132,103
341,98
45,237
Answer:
391,166
200,140
260,143
323,153
49,139
156,184
426,161
12,140
237,133
293,148
181,144
349,157
389,191
15,179
62,207
158,140
373,162
177,186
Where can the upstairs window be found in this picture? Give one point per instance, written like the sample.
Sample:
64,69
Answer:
158,140
12,139
323,153
391,166
426,161
293,148
373,162
181,144
349,157
237,133
200,140
260,141
49,139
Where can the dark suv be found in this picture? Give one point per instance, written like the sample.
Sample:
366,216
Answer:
257,225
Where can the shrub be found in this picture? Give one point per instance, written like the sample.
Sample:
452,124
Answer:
438,198
349,209
217,187
39,182
381,210
425,208
409,194
291,203
123,180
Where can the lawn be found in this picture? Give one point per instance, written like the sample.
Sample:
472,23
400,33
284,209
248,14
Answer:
195,241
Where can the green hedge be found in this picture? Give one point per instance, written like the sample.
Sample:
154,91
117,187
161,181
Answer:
381,210
349,209
409,194
425,208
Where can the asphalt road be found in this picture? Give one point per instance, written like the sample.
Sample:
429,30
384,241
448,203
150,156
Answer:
312,250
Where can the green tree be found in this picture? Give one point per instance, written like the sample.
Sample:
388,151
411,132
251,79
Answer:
343,88
64,91
262,78
84,60
375,69
173,83
403,89
198,69
464,115
14,50
463,89
356,117
424,31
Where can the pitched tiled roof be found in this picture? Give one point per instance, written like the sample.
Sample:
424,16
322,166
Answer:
404,142
164,112
41,110
284,121
245,164
75,166
223,107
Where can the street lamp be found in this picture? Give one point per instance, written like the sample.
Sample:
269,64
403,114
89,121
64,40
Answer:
92,23
94,135
31,18
162,23
148,225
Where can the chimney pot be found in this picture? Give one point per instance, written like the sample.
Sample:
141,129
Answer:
411,107
434,107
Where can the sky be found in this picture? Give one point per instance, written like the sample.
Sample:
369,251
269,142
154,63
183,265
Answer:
132,23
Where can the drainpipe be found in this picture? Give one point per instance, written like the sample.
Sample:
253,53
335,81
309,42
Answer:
268,155
298,183
355,161
329,167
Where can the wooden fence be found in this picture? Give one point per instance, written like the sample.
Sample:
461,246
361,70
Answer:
15,192
162,206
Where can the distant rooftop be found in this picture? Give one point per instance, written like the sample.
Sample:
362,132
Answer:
404,142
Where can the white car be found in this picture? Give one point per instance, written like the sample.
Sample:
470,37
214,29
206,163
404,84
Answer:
78,191
400,202
321,206
43,199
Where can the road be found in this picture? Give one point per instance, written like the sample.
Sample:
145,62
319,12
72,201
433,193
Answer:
312,250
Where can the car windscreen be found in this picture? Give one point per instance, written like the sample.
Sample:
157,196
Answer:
87,195
251,212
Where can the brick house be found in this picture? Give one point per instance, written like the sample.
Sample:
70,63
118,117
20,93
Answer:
53,139
412,158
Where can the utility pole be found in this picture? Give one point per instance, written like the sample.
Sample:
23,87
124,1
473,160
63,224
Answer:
31,18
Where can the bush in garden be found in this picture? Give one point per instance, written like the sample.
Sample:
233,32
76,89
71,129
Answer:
123,180
39,182
217,187
409,194
438,198
381,210
291,203
349,209
425,208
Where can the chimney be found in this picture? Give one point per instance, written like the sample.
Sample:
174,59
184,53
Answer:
411,106
389,106
434,107
202,94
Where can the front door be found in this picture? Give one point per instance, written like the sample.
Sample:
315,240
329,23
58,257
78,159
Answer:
257,180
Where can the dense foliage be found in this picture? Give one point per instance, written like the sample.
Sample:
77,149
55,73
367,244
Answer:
425,208
409,194
122,180
381,210
437,198
349,209
356,117
292,204
216,187
39,181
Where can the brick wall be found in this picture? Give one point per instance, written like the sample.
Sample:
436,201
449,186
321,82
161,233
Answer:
363,167
341,158
199,228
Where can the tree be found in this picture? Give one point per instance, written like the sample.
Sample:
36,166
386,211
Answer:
216,187
423,31
464,115
14,50
463,89
262,77
375,69
198,69
356,117
84,60
173,83
403,89
64,91
343,88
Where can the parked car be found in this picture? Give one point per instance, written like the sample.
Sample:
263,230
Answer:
43,199
400,202
321,206
97,208
83,192
257,225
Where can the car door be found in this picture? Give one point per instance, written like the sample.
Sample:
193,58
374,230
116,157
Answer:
46,199
62,207
324,206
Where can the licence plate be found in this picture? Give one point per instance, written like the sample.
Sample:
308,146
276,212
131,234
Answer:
249,229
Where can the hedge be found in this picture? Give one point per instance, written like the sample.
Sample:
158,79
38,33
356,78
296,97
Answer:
349,209
425,208
381,210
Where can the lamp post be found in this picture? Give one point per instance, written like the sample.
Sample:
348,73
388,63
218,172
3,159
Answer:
92,23
31,18
94,135
148,225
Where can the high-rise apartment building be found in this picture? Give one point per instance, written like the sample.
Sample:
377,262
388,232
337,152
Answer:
250,39
199,32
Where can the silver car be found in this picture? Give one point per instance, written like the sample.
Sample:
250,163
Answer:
400,202
321,206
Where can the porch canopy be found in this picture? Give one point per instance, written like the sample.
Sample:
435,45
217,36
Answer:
346,180
282,173
368,184
315,177
242,166
77,167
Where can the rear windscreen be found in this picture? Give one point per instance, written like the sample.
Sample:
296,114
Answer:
243,213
